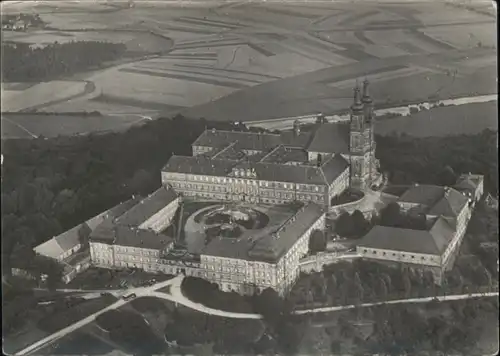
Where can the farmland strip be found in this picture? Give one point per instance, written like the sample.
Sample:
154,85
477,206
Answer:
111,99
357,17
261,50
291,13
369,72
205,23
203,54
360,35
194,55
186,77
211,45
355,53
226,70
409,47
191,58
316,43
423,37
189,30
215,21
200,73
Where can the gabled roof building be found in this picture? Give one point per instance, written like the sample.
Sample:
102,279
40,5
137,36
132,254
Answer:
447,211
276,168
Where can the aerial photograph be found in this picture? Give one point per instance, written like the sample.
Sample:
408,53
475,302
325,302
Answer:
249,177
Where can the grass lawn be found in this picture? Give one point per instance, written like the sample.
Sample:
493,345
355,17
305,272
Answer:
63,315
152,304
77,343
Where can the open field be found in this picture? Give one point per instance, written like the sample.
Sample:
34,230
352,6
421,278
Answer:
41,93
253,61
443,121
33,125
138,42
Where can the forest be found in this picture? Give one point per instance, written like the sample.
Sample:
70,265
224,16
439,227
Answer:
430,160
24,63
49,186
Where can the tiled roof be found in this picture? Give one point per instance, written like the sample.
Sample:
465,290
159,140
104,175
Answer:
327,138
270,247
302,174
436,200
69,239
148,207
231,152
331,138
283,155
133,237
199,165
104,232
245,140
422,194
50,248
432,242
449,205
288,138
110,233
468,182
289,173
114,212
334,167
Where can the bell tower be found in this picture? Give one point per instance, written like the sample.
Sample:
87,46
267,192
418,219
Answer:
370,133
359,143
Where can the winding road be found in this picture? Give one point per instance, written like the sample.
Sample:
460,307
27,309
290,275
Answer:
176,296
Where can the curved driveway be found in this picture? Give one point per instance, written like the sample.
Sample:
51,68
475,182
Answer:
176,296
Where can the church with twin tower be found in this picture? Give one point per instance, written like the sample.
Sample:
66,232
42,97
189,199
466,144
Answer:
310,165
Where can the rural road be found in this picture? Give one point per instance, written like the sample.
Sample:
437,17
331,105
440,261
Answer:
287,123
140,292
176,296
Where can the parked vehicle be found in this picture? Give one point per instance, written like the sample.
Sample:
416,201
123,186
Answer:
129,296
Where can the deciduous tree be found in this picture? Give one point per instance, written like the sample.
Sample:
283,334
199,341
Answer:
317,241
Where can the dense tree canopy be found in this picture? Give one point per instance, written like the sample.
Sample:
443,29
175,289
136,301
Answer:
22,63
407,159
317,241
49,186
352,225
391,215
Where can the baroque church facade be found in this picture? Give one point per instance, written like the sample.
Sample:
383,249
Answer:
311,165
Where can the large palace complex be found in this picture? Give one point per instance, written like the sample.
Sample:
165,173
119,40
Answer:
240,211
312,166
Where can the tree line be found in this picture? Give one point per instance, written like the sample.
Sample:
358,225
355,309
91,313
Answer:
49,186
25,63
434,160
449,328
362,281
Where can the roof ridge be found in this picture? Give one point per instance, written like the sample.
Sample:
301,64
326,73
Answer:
245,132
431,231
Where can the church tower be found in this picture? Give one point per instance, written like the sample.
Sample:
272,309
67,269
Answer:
360,142
370,133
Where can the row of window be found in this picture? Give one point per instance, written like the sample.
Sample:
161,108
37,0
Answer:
302,187
394,254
